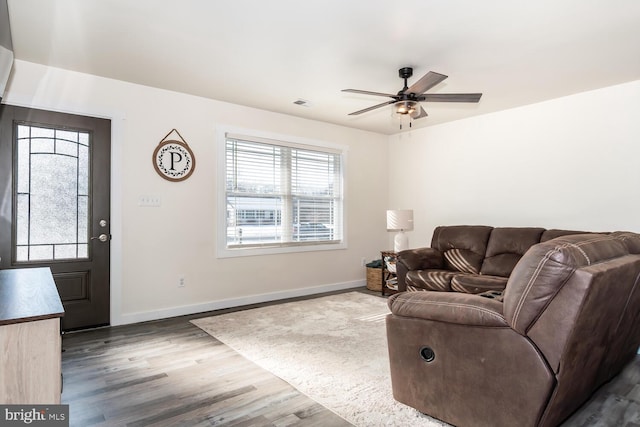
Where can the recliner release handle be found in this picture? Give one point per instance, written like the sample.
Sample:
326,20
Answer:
427,354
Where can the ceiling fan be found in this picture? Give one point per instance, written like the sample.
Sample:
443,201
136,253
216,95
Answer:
407,101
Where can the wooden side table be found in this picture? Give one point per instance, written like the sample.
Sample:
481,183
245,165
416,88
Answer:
389,277
30,341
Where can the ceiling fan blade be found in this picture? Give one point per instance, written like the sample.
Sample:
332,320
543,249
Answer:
450,97
425,83
367,92
421,114
355,113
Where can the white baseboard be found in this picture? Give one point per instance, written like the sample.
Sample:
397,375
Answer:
145,316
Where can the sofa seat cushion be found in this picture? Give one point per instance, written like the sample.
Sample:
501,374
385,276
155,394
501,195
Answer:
451,307
477,283
429,280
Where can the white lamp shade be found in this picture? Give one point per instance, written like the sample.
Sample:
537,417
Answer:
401,219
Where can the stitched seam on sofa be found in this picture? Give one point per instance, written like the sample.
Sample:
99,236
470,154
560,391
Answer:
588,242
459,305
549,300
529,286
545,259
455,257
626,236
583,253
623,237
573,269
551,297
534,277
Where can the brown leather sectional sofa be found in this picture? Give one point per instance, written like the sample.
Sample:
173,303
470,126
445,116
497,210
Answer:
568,323
468,258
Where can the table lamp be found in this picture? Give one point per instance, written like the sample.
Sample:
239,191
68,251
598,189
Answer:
400,220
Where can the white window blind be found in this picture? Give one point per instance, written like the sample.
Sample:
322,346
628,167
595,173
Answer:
281,194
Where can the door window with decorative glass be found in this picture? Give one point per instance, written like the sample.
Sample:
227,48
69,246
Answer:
52,192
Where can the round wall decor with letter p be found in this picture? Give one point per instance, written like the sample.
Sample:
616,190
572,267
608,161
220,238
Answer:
174,160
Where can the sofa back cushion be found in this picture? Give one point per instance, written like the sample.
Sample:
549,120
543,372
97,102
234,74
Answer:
630,240
553,233
463,246
505,248
546,267
577,298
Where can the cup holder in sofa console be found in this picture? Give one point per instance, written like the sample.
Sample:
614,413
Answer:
493,295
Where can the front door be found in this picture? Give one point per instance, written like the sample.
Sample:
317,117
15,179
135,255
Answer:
54,205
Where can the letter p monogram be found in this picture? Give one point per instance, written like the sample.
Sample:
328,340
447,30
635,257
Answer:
175,155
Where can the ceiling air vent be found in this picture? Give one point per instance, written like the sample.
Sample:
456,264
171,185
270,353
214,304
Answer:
302,102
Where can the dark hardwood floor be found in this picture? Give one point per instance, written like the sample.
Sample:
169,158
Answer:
170,373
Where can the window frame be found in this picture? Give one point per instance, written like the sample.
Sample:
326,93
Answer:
223,251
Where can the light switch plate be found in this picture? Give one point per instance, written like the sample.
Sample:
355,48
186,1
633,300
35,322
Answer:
149,201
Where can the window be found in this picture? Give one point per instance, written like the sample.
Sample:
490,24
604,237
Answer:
280,196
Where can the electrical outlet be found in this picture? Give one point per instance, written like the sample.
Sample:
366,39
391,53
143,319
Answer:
181,282
363,261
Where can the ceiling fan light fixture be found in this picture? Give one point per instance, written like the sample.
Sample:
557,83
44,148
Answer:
406,107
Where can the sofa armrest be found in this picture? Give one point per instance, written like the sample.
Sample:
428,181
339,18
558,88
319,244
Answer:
416,259
421,258
449,307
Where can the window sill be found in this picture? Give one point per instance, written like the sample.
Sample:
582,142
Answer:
271,250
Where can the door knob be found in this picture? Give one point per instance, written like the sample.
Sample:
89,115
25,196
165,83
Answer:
103,238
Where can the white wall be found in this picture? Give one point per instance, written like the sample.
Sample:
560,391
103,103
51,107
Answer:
565,163
568,163
153,247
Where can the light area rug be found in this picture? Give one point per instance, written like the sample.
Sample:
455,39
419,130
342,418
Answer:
331,348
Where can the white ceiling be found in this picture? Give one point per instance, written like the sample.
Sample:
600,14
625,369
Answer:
268,54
